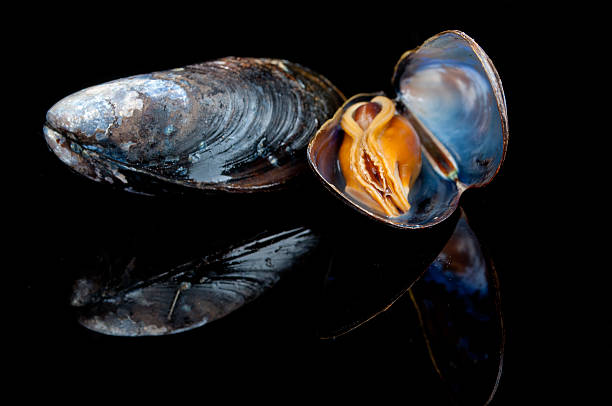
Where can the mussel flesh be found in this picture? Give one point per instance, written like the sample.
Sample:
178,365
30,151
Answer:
407,161
233,124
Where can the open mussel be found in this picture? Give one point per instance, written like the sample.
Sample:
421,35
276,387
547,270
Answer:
405,161
233,124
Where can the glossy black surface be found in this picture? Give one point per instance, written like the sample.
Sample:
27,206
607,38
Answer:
370,268
459,309
126,302
62,223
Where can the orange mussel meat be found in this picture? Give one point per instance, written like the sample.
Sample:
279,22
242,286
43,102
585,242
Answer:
380,155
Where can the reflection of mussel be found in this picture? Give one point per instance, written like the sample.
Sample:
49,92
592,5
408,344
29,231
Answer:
454,290
192,294
371,266
458,303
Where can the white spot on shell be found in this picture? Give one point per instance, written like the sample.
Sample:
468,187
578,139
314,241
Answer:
261,148
126,146
273,160
281,65
120,176
137,295
54,139
130,102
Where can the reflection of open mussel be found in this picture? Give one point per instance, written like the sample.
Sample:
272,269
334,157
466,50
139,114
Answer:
458,303
371,266
455,293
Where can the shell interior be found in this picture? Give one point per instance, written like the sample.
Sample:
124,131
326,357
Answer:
452,88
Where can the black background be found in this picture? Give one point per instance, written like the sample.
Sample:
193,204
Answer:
62,220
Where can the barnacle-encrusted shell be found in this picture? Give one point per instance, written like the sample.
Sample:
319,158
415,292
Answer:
450,93
234,124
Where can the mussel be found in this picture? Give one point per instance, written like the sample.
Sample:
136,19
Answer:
406,161
233,124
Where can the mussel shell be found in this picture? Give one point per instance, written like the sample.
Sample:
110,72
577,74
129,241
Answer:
452,88
234,124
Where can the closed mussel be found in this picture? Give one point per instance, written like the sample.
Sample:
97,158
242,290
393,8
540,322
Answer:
406,160
233,124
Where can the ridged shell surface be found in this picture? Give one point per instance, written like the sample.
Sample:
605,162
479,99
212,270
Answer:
234,124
